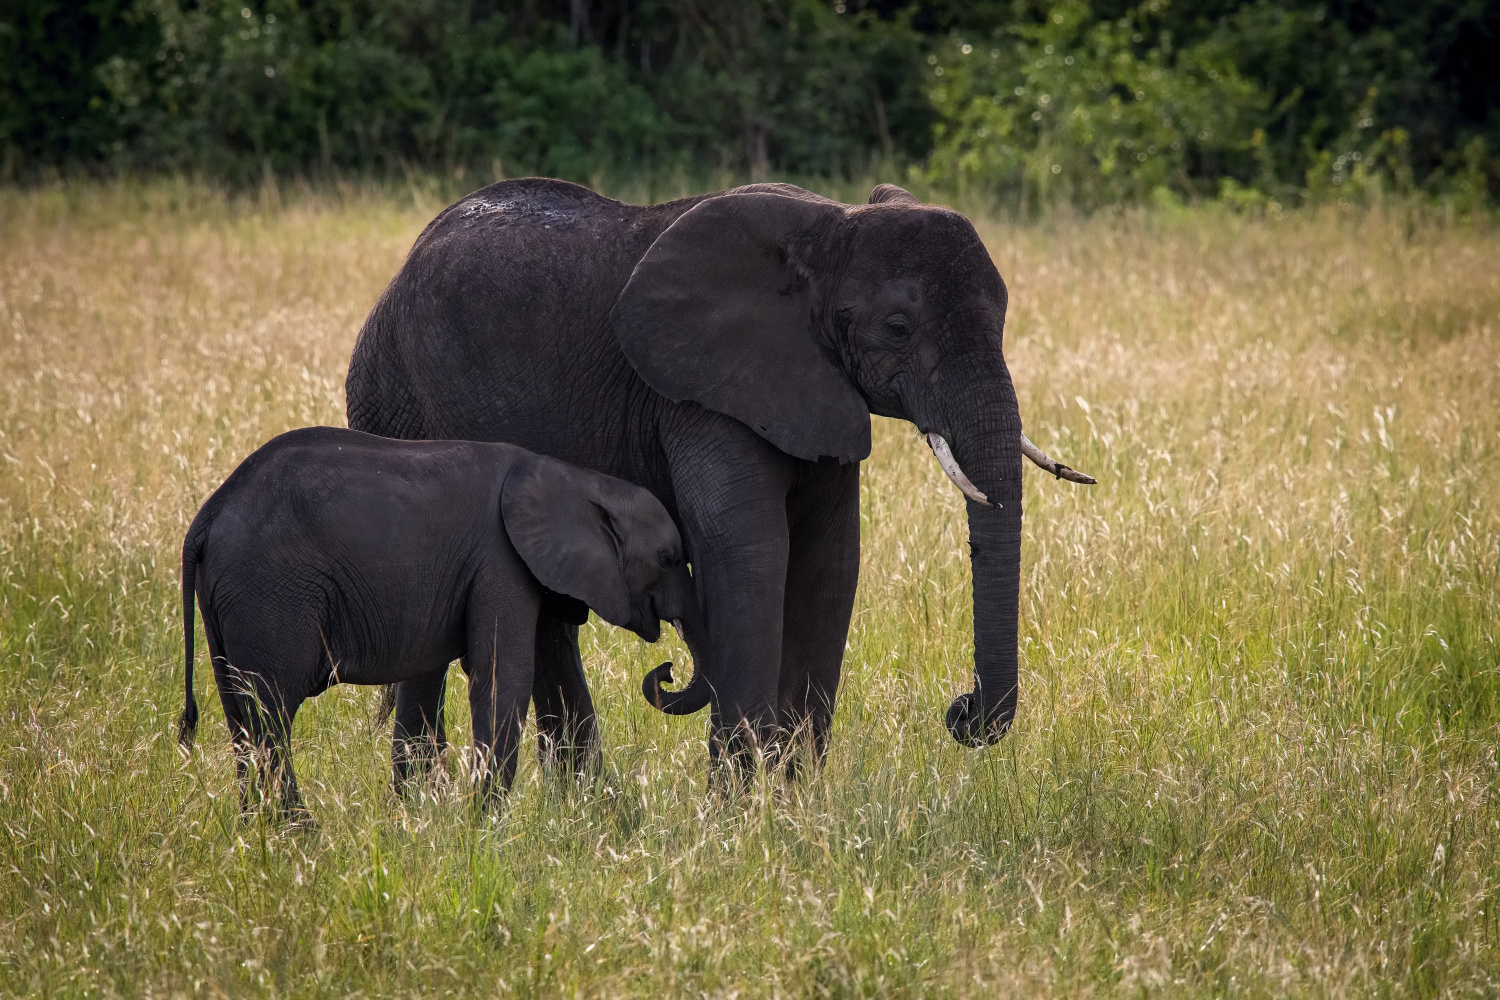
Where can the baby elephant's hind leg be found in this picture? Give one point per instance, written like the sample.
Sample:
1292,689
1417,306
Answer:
260,718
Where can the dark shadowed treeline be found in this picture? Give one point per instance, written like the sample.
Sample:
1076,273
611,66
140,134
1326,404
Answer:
1041,102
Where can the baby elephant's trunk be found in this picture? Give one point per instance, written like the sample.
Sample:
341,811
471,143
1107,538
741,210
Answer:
693,697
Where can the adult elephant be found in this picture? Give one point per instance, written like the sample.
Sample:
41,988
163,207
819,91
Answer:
725,352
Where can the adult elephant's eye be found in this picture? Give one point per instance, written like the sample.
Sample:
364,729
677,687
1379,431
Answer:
898,328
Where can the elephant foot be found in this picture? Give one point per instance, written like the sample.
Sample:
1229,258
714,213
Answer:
300,821
415,765
576,753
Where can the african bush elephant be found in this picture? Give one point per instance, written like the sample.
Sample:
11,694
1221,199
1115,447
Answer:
332,556
725,352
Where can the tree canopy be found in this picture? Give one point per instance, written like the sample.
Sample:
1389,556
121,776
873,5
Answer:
1093,102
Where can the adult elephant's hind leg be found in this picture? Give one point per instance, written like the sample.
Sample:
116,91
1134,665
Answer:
566,727
821,577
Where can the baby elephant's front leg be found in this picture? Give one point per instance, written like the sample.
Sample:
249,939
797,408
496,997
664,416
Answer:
567,732
417,738
499,661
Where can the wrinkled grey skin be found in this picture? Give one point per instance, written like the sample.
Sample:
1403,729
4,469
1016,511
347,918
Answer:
724,352
332,556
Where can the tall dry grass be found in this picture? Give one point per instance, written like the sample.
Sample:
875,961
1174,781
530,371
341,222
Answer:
1260,712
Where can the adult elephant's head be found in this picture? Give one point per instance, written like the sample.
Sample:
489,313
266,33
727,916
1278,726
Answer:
800,316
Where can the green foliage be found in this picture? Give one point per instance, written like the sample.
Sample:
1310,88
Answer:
807,88
293,86
1069,110
1334,84
238,88
51,98
1088,102
1344,77
566,114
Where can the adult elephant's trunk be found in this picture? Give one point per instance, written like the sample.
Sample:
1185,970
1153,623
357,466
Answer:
984,460
983,715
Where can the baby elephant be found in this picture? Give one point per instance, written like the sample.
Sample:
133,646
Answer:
334,556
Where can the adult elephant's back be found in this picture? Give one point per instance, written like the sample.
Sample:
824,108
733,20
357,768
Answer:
502,303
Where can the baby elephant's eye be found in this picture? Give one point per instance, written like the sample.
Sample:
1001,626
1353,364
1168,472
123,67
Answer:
667,557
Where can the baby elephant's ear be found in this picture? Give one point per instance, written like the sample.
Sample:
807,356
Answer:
566,536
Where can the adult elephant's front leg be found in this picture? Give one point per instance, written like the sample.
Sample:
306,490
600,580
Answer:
822,574
567,729
731,494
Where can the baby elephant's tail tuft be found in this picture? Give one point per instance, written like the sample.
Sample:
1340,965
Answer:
386,705
187,726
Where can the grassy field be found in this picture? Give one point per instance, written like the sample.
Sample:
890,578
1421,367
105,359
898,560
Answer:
1257,747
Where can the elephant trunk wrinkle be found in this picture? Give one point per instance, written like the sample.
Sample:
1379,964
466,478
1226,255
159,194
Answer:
984,715
987,440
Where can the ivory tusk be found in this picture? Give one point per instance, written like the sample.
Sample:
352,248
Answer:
950,466
677,624
1059,470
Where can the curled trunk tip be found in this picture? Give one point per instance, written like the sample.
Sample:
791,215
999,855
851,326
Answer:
685,702
691,698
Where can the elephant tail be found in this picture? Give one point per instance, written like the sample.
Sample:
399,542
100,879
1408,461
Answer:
685,702
187,726
386,705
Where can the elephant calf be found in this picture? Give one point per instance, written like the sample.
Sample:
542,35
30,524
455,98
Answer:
332,555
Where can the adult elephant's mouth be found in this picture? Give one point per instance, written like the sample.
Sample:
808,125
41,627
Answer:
945,458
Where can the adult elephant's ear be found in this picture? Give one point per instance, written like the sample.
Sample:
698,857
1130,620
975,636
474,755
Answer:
562,529
720,311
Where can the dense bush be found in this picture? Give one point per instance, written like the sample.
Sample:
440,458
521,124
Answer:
1093,102
239,87
291,86
1072,108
